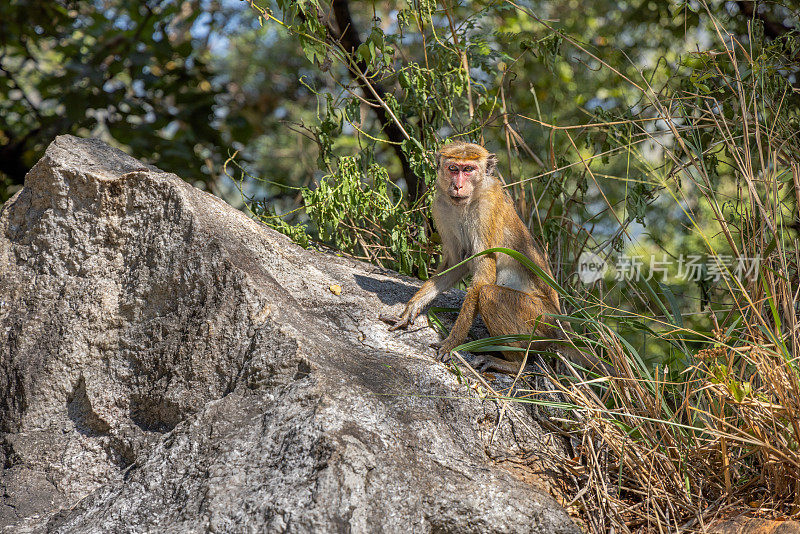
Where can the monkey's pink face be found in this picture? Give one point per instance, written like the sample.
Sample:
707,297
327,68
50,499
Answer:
463,177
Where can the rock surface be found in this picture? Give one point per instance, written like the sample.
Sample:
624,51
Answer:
169,365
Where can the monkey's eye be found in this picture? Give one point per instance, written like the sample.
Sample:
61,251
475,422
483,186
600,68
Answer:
468,168
452,168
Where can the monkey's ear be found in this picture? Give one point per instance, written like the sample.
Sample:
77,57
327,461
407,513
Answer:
491,164
438,157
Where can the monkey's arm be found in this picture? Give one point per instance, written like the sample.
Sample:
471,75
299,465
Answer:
429,291
485,273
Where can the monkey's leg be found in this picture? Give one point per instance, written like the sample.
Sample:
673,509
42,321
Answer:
485,273
506,311
463,323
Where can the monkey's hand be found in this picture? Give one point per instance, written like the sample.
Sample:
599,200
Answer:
444,349
396,322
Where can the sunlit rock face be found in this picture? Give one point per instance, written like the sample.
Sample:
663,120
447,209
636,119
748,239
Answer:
169,365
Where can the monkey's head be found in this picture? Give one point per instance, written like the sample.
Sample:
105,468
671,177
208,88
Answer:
462,168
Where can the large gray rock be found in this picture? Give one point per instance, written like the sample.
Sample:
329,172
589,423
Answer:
169,365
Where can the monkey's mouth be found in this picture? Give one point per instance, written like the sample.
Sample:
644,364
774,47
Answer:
459,200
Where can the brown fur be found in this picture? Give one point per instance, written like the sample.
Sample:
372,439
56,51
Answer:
464,151
510,298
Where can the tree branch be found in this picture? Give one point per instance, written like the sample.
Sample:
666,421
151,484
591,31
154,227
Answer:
348,38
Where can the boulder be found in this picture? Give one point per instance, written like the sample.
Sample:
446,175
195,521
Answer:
168,364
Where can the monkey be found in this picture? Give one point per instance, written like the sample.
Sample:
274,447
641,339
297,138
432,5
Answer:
472,212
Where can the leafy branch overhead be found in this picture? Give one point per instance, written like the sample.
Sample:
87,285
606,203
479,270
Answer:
411,102
148,84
